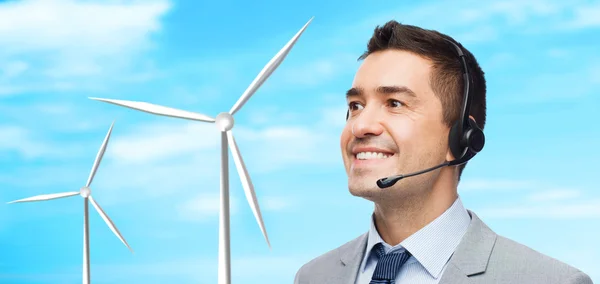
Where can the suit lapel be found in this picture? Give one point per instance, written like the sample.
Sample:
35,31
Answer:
350,258
453,275
472,254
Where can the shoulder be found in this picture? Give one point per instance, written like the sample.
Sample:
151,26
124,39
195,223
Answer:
514,259
323,265
487,257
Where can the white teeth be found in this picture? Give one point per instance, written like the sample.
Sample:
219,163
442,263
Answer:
371,155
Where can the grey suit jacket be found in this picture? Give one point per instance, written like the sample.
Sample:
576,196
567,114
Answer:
481,257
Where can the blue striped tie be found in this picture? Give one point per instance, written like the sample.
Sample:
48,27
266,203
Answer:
388,265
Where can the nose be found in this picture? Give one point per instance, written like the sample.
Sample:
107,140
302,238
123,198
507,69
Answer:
367,124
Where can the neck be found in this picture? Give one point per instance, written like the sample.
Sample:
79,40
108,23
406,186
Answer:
397,221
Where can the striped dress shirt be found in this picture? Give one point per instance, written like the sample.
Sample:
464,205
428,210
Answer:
431,247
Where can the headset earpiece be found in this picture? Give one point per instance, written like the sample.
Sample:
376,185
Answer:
467,144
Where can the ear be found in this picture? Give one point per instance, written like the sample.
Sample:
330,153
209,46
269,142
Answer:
449,156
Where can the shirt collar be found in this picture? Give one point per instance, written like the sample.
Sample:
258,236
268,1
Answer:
433,244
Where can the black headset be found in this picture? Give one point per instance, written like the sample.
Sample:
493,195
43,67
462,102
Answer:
466,138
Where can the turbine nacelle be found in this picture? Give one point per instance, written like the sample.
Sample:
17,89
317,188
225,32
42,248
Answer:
85,192
224,121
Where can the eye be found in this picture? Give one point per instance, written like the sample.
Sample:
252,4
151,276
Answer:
395,103
354,106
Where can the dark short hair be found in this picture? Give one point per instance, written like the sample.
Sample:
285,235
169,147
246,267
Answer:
446,79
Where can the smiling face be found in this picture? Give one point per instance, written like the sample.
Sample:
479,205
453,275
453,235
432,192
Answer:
395,126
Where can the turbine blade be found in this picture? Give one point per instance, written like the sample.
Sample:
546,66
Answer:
109,222
99,156
45,197
247,184
267,70
158,110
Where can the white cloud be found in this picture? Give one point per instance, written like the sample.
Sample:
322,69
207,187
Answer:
15,138
335,116
544,87
585,16
320,70
574,210
205,207
485,185
59,118
13,69
29,145
474,22
518,12
555,194
479,34
54,44
159,141
278,147
81,27
539,200
166,178
274,203
502,59
271,114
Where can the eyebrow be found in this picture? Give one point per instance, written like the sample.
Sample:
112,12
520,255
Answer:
386,90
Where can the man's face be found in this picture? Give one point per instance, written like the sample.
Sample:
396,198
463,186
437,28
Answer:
395,126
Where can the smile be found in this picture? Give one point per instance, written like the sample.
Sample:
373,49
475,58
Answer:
372,155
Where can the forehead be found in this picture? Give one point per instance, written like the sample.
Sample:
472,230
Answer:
394,68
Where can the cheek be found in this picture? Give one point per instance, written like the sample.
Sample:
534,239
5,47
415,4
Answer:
345,137
413,137
403,132
421,137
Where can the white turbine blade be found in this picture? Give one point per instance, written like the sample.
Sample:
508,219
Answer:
45,197
267,70
158,110
109,222
247,184
99,156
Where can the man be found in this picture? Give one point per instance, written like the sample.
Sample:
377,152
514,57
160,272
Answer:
405,98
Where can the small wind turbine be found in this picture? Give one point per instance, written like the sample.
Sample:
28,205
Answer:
86,193
224,122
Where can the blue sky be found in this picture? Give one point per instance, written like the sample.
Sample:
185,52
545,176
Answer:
159,182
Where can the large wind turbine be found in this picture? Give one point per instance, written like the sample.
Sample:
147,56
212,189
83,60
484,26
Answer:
224,122
86,193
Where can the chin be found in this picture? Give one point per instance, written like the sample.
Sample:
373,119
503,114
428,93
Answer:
364,187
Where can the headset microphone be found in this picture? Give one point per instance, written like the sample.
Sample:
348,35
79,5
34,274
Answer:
466,139
389,181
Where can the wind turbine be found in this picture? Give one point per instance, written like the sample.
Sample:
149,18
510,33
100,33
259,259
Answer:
224,122
86,193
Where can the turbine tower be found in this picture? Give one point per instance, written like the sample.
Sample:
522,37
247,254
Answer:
86,193
224,122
